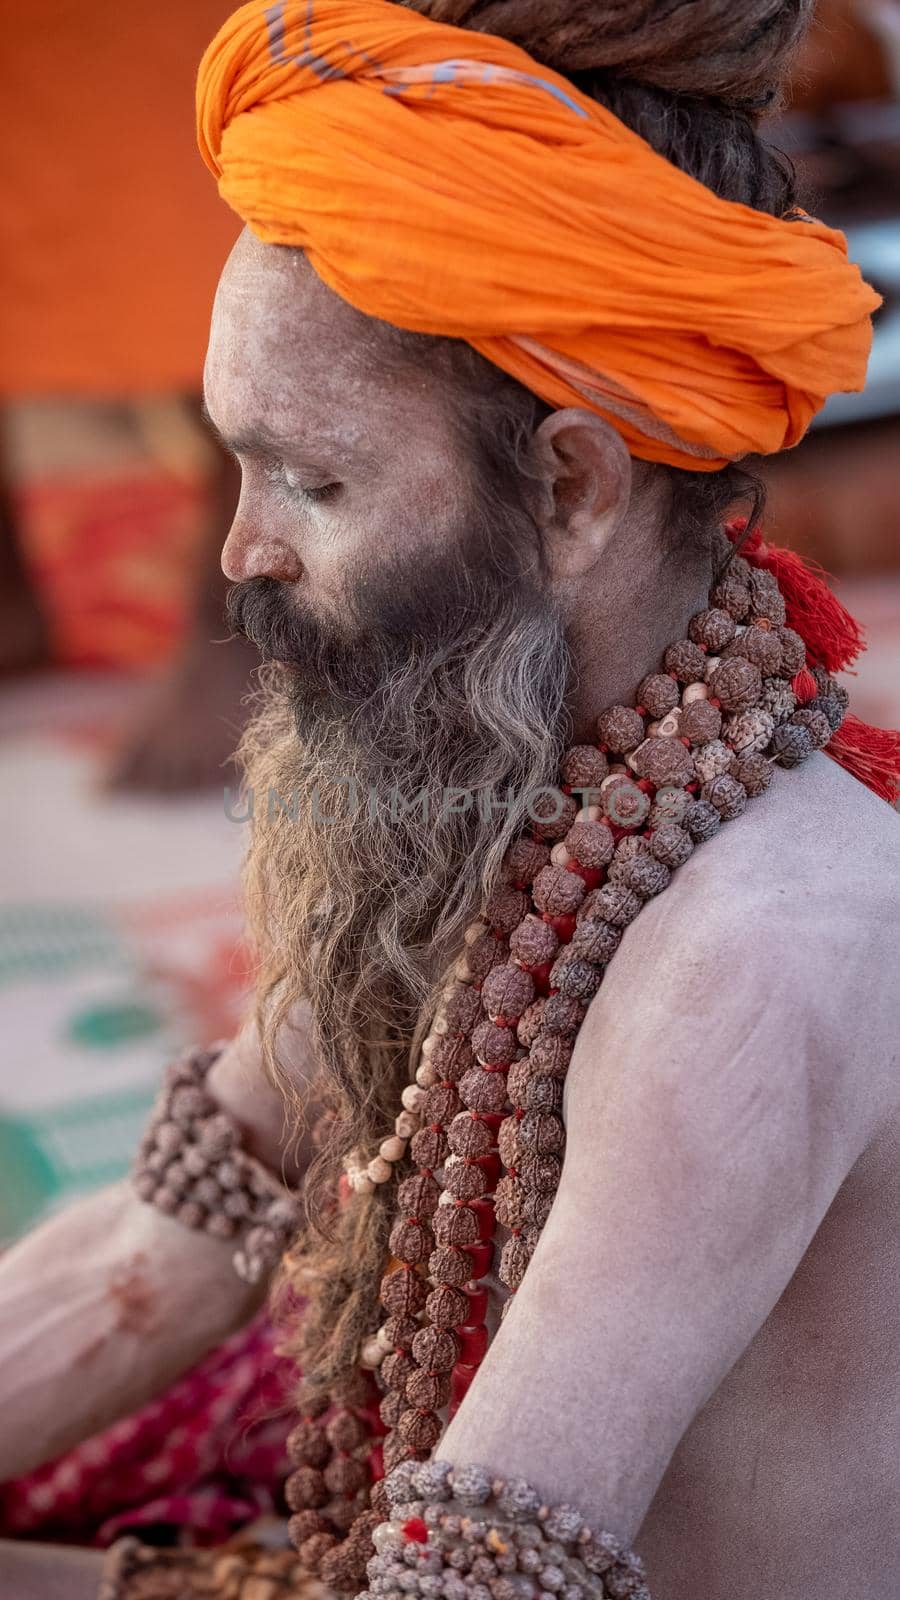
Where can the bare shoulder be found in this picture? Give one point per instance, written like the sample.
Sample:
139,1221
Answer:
783,929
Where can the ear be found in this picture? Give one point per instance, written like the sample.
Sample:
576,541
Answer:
585,473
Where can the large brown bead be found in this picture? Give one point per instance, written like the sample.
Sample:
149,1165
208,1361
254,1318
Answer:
469,1136
595,940
529,1024
514,1260
508,1141
591,843
396,1368
465,1180
392,1407
421,1429
400,1331
713,628
658,694
520,1075
647,876
345,1475
461,1007
584,767
536,1207
403,1292
540,1172
731,592
754,772
428,1147
702,821
616,904
508,1198
493,1046
793,652
484,1091
791,744
441,1103
544,1094
671,844
552,814
524,860
455,1225
543,1134
507,991
305,1489
396,1450
418,1196
558,892
533,942
409,1241
736,683
816,724
766,600
303,1525
762,646
562,1014
624,803
663,761
574,976
307,1445
700,722
447,1265
686,661
436,1349
550,1054
621,728
727,795
428,1391
482,955
505,908
447,1307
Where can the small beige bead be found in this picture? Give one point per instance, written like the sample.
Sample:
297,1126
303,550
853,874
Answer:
429,1045
711,665
426,1075
694,691
474,932
379,1170
440,1026
372,1354
590,814
559,855
406,1125
412,1097
462,970
669,726
393,1148
361,1183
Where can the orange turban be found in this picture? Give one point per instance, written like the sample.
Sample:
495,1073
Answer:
443,181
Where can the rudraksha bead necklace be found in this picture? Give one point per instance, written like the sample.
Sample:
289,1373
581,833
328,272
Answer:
483,1121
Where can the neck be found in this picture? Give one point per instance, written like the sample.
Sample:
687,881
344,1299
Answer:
619,628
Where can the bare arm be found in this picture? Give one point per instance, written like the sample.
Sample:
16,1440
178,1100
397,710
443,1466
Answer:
94,1303
717,1099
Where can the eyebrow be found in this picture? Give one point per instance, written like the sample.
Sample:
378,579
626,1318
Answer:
241,444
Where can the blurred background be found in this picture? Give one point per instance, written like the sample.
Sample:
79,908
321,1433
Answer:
120,695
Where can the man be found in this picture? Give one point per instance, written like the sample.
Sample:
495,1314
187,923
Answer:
454,576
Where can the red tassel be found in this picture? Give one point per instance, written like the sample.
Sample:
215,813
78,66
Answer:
832,637
870,754
804,687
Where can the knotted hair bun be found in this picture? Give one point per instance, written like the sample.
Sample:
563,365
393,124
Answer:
735,51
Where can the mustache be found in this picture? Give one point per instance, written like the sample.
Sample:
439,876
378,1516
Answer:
261,610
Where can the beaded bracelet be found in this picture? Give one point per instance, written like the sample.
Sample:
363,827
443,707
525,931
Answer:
458,1533
191,1166
136,1571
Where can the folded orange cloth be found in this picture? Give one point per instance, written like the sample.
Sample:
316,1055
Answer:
444,181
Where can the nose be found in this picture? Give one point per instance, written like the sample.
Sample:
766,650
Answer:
250,553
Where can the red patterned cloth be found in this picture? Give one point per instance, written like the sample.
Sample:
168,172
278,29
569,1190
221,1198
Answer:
208,1456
